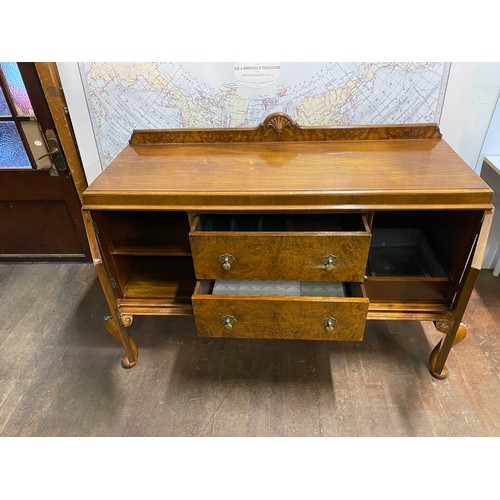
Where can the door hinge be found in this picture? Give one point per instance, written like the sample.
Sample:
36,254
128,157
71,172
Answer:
58,92
96,230
55,91
113,283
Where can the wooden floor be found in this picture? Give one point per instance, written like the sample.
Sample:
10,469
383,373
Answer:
60,372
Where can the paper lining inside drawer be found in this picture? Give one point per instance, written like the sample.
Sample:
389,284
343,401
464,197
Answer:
279,288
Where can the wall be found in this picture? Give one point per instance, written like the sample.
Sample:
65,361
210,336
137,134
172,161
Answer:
491,149
470,99
491,144
80,119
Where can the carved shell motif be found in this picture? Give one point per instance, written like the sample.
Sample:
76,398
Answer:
278,121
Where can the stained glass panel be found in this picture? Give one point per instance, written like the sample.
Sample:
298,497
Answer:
12,152
4,109
17,88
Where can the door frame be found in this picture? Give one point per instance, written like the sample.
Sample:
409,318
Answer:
54,94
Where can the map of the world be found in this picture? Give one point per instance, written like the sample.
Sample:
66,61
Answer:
127,96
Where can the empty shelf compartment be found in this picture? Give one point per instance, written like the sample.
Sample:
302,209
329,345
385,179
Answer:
402,252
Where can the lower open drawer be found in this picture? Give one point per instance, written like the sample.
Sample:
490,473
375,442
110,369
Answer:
306,317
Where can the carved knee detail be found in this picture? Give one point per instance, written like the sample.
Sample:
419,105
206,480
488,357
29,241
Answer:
127,319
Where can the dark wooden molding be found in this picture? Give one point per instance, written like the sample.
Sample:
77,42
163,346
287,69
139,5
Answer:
279,127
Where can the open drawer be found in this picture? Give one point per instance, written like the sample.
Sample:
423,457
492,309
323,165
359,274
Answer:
309,311
309,247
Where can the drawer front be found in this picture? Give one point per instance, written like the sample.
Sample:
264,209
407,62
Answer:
280,256
305,318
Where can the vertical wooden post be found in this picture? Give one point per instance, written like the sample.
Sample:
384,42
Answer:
49,78
456,330
114,323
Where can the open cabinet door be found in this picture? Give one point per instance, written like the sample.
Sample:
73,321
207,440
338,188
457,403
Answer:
41,177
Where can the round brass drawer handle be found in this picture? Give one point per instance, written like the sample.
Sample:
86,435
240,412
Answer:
228,322
226,260
329,261
329,324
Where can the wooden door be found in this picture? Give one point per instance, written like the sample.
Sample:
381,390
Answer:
40,209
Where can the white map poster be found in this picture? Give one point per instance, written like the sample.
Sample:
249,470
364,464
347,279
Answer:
127,96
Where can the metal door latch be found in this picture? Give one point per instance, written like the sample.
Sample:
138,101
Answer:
55,153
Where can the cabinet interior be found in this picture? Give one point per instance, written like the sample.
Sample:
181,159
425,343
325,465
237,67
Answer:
419,255
148,253
147,232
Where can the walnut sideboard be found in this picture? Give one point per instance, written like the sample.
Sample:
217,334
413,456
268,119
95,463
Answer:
289,232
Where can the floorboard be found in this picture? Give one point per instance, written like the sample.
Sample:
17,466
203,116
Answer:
60,372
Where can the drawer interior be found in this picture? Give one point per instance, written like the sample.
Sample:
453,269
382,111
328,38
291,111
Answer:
281,222
278,288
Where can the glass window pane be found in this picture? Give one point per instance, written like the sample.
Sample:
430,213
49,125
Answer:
17,89
4,108
12,152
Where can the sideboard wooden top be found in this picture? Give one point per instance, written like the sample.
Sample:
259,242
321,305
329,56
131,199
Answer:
418,170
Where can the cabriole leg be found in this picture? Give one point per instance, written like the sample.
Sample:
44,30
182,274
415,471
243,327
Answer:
116,328
439,354
116,323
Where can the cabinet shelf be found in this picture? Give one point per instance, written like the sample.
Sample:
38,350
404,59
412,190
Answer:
147,233
160,278
152,250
